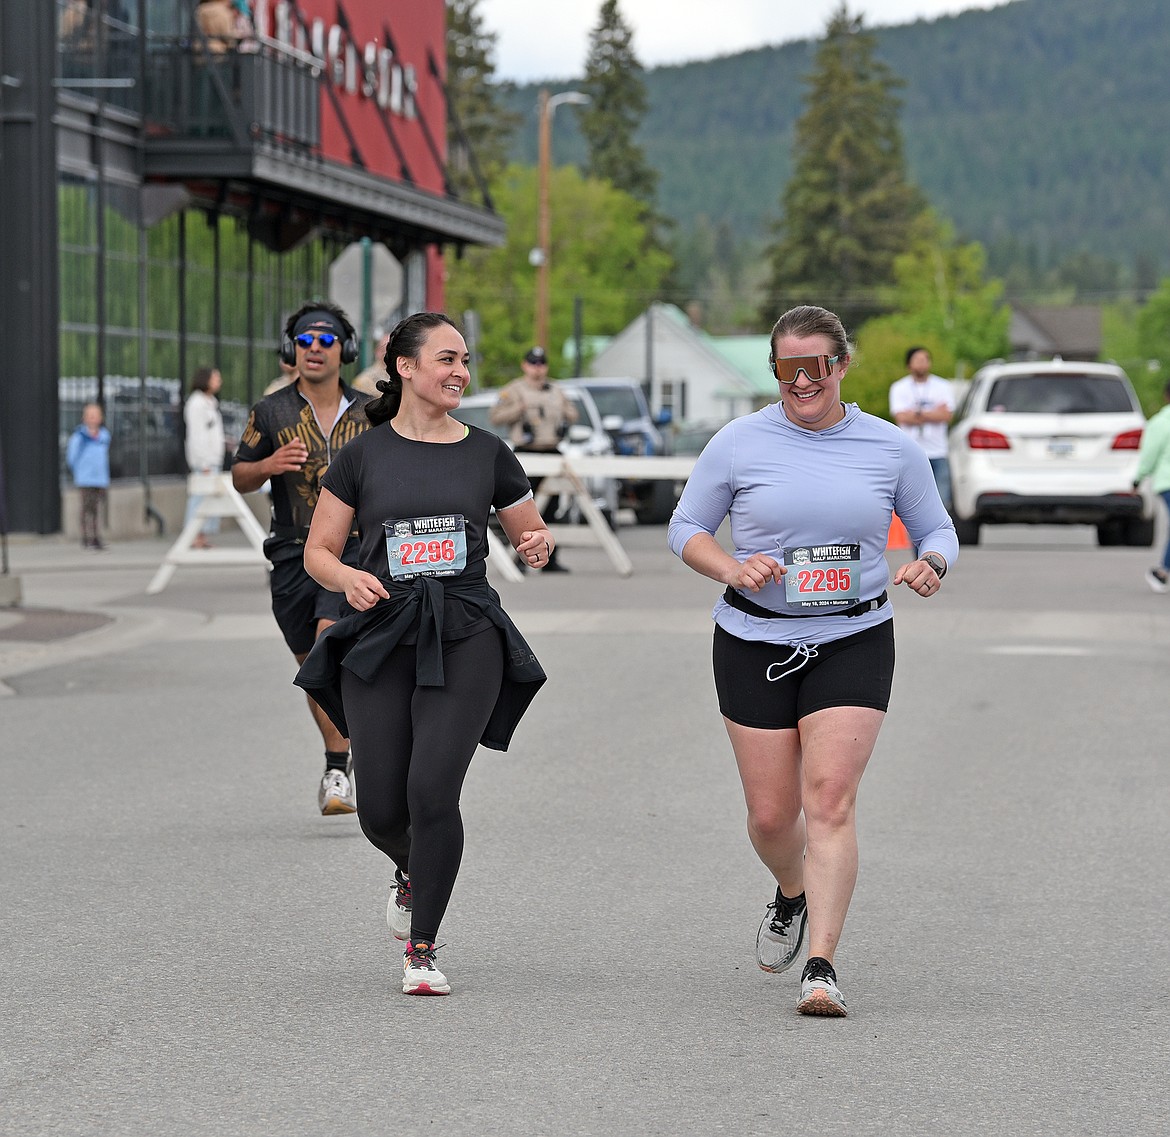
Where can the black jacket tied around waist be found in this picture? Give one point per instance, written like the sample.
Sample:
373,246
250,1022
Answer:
362,641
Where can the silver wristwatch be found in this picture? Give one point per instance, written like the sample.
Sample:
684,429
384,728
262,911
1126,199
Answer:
937,563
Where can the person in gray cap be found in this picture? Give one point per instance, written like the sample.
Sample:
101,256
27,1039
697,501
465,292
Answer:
539,415
291,437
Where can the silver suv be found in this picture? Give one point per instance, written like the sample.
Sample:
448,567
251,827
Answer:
1050,442
585,437
626,415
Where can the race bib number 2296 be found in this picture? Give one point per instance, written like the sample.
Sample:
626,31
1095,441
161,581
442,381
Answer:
426,546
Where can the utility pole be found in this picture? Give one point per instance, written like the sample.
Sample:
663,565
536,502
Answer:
541,255
543,220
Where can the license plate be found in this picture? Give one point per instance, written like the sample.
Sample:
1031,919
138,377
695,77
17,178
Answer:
1060,447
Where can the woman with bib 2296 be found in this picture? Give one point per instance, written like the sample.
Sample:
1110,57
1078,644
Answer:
428,665
804,644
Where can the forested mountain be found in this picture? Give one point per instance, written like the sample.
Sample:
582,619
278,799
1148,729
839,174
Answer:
1040,128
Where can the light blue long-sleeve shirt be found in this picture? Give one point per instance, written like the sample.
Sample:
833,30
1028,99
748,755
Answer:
88,458
784,486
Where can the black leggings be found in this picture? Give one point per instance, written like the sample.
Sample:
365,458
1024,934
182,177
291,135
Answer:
412,747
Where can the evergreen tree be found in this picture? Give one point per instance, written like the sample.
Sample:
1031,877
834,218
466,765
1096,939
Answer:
714,280
481,125
609,121
847,208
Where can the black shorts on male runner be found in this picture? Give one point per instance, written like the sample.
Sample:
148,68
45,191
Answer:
298,601
857,671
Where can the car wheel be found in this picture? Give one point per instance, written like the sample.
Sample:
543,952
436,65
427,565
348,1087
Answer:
1139,531
1111,532
659,504
967,531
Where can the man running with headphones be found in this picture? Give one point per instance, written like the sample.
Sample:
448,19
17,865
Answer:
291,437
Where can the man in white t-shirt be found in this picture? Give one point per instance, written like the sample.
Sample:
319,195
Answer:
923,405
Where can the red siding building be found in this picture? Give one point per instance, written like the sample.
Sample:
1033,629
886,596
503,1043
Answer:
170,196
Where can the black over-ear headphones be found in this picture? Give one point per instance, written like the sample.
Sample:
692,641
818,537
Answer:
288,349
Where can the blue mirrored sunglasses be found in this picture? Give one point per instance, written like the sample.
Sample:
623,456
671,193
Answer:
325,339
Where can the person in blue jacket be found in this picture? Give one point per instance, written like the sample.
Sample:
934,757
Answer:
88,459
804,637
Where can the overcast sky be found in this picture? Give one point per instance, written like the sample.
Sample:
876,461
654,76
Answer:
548,39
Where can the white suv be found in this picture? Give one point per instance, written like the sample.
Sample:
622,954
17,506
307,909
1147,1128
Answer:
1050,442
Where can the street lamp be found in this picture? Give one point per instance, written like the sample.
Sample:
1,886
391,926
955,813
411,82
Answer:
541,255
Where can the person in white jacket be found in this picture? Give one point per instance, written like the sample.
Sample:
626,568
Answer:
204,444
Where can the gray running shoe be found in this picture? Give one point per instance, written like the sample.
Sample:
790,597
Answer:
819,993
398,907
336,793
781,933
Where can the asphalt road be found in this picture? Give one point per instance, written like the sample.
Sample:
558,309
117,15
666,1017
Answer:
189,949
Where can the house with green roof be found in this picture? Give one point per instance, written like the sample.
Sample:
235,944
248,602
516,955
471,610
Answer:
698,377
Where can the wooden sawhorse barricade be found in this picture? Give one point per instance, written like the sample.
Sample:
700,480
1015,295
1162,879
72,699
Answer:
220,499
566,475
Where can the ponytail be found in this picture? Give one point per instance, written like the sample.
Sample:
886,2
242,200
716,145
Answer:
405,342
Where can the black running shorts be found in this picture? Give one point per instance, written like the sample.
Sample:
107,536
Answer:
298,601
753,690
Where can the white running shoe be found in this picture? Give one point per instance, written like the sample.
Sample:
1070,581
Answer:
420,976
781,932
336,793
1158,579
819,993
398,906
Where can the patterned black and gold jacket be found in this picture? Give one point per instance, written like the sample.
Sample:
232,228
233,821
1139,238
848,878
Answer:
279,418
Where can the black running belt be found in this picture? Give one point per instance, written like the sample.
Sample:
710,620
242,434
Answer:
738,600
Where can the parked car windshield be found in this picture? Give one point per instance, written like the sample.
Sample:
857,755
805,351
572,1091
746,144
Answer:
478,414
583,416
616,401
1059,394
692,439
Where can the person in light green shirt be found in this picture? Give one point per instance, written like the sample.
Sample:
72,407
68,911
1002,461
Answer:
1154,463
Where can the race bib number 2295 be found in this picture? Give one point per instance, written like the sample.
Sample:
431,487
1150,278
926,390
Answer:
823,576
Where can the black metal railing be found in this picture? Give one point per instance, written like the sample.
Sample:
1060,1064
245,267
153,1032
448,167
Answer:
263,91
97,57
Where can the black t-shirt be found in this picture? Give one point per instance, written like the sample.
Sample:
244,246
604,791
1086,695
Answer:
390,479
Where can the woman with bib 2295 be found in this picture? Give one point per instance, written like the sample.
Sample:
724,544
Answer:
428,665
804,645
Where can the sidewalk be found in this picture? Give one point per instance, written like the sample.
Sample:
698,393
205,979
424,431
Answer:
77,603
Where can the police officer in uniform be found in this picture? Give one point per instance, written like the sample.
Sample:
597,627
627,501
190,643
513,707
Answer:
539,416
